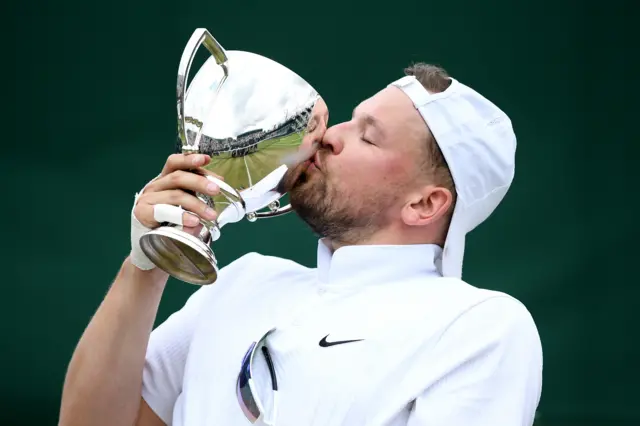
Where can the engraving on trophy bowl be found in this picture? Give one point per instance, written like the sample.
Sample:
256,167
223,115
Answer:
249,113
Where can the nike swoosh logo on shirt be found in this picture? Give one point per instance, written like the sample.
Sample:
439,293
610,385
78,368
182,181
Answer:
323,343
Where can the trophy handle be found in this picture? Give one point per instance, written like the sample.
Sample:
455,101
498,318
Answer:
199,37
233,212
274,211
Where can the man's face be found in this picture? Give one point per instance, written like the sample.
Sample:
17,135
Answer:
358,181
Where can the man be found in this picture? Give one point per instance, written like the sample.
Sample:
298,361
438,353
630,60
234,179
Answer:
382,332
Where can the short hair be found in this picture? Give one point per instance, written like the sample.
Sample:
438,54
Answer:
435,79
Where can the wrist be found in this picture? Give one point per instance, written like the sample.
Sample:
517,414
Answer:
153,277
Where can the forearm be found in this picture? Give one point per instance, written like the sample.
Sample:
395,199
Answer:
104,379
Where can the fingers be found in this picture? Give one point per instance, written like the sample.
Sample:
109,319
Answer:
184,162
206,172
191,162
184,180
168,213
190,220
176,215
193,230
146,209
182,177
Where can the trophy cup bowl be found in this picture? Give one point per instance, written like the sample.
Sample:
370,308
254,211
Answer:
247,112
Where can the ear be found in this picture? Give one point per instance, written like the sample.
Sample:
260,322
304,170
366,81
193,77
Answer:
426,206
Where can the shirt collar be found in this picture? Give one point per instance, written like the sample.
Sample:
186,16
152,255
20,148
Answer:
363,264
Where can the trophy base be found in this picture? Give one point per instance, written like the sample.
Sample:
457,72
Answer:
181,255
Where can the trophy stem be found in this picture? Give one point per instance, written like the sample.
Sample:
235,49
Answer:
209,234
205,235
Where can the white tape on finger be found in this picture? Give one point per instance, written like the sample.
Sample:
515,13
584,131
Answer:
168,213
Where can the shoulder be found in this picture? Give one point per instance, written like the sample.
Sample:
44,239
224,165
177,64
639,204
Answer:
489,356
454,298
492,316
471,299
462,309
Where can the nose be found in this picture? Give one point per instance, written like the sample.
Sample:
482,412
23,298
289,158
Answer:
333,139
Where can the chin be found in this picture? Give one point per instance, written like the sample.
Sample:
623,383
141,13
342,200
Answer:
302,192
308,192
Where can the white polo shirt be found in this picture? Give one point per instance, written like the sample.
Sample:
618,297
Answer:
434,351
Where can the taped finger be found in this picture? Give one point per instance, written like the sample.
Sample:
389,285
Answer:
168,213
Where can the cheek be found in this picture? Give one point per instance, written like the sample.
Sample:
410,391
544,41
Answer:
367,174
349,170
394,171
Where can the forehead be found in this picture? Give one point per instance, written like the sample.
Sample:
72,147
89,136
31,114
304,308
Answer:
395,114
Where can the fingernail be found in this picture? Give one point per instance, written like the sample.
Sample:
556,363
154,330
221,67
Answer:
197,159
210,213
212,187
191,220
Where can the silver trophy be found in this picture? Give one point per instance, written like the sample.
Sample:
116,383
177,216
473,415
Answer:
248,113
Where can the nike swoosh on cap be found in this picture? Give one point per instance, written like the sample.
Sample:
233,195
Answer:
323,343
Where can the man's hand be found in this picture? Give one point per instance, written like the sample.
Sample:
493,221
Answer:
181,177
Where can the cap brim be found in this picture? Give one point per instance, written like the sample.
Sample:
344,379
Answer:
453,253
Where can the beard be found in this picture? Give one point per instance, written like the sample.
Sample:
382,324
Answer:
333,214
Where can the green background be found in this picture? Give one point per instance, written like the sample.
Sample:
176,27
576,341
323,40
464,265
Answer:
91,118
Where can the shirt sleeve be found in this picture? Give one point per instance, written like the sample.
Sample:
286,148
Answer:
168,348
491,364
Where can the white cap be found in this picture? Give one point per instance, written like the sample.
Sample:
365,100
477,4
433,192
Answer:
479,145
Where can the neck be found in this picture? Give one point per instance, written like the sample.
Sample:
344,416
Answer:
392,236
